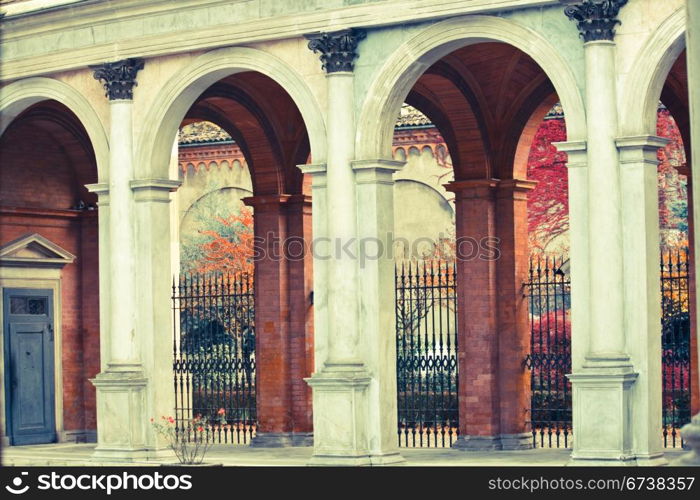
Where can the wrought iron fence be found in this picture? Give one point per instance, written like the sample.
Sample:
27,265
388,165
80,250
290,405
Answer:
214,356
675,344
548,289
426,345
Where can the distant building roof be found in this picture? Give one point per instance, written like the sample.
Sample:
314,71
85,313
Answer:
409,117
556,113
202,133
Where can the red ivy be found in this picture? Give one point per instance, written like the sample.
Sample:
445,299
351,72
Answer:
548,203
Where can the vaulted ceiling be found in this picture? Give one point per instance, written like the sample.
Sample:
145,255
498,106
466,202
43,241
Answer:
675,97
46,146
481,97
262,118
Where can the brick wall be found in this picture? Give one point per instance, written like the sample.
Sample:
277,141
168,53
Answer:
41,177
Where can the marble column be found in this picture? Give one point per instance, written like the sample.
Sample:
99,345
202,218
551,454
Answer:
151,220
577,173
602,406
640,233
375,201
102,191
691,432
321,252
340,386
121,385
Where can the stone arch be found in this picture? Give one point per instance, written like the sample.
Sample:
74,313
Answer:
52,145
20,95
489,202
180,93
199,92
401,71
646,80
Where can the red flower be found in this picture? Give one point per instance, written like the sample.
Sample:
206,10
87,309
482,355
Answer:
171,420
221,411
200,429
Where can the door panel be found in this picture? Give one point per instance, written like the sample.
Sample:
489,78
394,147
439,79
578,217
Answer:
29,353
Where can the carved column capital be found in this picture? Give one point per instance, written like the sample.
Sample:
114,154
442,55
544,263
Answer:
595,19
118,78
338,49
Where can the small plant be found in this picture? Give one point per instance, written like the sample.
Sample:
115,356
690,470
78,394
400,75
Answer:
221,416
188,442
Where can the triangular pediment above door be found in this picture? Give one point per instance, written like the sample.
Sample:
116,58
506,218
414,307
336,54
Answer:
33,250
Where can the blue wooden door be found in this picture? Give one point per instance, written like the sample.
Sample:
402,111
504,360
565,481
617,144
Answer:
29,365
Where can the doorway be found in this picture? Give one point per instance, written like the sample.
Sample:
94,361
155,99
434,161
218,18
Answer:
29,365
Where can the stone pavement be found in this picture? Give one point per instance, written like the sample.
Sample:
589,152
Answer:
71,454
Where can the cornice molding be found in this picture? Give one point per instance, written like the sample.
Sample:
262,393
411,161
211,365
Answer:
99,16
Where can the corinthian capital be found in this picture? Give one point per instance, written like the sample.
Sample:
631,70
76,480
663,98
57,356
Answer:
338,49
118,78
596,19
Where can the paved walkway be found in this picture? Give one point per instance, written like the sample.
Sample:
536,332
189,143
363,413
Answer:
71,454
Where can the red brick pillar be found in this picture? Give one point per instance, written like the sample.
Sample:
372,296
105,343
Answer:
301,326
479,423
491,218
512,318
282,299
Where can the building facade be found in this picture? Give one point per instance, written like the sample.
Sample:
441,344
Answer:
310,92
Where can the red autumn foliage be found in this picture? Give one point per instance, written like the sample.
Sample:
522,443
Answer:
671,157
548,203
231,252
673,154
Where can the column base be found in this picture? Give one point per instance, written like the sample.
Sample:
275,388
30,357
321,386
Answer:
356,461
130,455
121,422
340,392
691,436
338,460
282,439
78,436
477,443
391,458
522,441
119,455
652,460
602,412
623,461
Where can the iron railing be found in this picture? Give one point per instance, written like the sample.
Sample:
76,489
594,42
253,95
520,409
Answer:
549,292
675,344
548,288
426,343
214,356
